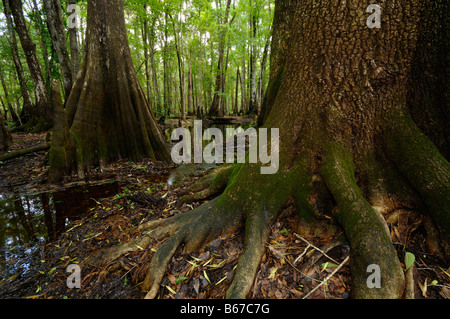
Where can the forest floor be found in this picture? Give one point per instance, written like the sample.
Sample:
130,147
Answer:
149,191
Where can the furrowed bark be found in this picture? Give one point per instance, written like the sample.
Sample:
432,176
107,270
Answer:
107,112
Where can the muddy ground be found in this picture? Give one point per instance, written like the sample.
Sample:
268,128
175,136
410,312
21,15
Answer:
289,268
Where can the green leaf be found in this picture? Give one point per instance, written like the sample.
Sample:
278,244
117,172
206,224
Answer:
272,273
220,281
51,271
180,279
171,290
328,264
409,260
206,276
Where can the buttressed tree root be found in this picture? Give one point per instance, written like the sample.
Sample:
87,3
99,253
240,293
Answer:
365,230
342,106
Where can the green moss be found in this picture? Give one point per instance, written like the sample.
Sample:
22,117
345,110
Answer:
222,178
421,163
57,161
369,242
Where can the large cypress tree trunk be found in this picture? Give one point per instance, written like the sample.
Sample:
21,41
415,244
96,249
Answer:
338,92
107,113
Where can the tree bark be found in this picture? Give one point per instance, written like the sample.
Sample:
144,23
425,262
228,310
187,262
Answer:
5,137
43,101
253,108
74,47
191,104
179,49
339,94
260,88
216,106
107,113
27,109
55,26
14,116
155,69
146,57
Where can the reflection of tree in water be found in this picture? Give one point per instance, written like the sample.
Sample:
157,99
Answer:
25,218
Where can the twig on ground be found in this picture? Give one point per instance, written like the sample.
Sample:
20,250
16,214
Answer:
327,278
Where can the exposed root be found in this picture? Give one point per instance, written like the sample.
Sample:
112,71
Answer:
421,163
206,223
365,231
209,186
153,230
257,232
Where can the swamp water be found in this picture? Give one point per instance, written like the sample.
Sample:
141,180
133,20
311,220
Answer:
27,219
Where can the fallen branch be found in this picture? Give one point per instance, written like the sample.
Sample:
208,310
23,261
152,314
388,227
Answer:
316,248
328,277
11,155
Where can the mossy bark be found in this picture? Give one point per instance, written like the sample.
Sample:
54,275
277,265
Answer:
5,137
108,117
335,88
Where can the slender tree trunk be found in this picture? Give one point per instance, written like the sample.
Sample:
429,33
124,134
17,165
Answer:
190,88
48,62
5,137
236,101
4,108
74,46
216,107
166,67
244,95
260,88
155,69
27,102
178,49
55,26
146,57
253,109
43,101
14,116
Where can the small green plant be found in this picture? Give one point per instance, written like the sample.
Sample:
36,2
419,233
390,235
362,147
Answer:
410,258
125,192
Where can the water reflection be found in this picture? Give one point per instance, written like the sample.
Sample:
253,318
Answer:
29,218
